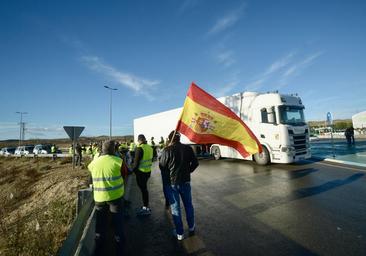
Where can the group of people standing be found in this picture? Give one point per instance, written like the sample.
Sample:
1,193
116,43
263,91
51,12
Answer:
176,162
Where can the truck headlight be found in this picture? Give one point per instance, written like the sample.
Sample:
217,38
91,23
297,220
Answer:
287,149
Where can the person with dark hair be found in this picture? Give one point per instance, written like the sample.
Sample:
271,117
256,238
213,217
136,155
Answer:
178,161
161,143
107,173
142,169
131,152
79,154
352,135
347,134
152,144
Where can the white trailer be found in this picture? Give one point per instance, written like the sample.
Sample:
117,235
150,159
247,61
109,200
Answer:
276,119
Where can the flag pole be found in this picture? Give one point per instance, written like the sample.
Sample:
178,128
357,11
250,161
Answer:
176,128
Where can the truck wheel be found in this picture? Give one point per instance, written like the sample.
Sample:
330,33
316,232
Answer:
216,153
262,158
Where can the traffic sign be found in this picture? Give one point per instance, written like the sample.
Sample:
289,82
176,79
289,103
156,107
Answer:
74,131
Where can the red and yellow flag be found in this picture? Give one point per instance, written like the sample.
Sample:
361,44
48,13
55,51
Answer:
205,120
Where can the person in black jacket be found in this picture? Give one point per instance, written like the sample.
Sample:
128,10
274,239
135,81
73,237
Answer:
177,162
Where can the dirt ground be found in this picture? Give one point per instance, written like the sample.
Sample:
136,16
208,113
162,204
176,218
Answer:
38,203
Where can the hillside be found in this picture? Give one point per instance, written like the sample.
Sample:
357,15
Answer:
64,142
38,203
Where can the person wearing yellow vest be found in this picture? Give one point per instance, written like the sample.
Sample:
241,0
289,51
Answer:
108,189
54,151
131,153
142,169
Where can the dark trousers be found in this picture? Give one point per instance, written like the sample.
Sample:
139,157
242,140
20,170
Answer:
78,159
101,224
166,187
141,180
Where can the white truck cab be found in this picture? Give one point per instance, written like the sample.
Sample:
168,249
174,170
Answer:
278,122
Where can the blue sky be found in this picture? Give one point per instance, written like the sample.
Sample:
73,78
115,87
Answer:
56,56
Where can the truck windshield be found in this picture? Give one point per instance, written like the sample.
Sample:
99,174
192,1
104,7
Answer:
292,115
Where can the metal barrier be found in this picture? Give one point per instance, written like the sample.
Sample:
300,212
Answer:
85,208
80,241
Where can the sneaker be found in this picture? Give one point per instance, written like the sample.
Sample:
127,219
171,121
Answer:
179,237
144,211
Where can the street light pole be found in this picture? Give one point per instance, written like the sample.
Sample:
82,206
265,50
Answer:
21,126
110,109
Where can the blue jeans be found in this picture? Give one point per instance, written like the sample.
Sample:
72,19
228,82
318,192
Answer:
177,192
166,187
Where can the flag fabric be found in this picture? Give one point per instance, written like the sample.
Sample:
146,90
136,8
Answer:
205,120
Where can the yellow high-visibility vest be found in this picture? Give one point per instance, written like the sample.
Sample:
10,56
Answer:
132,146
107,180
146,161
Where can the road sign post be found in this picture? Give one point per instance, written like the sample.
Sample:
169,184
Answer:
74,133
330,124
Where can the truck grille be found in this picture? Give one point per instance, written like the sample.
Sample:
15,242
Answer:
299,144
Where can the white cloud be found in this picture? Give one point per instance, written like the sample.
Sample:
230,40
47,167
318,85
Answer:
227,21
188,4
296,67
139,85
275,67
45,129
226,89
279,64
232,81
225,57
282,70
255,85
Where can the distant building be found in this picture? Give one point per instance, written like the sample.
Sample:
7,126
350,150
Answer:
359,120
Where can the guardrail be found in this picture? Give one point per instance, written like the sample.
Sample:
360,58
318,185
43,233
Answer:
80,241
83,219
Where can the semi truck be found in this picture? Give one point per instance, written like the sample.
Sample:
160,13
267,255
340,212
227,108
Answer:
277,120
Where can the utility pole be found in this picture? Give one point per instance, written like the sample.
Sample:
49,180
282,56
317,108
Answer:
110,109
21,126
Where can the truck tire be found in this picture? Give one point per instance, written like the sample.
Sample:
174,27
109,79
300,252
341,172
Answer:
216,153
262,158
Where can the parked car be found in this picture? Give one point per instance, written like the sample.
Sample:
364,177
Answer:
24,150
42,149
7,151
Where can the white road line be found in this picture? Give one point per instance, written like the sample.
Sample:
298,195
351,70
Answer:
337,166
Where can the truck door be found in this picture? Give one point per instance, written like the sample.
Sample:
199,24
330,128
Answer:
269,130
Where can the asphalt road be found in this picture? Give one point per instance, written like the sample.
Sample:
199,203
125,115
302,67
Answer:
308,208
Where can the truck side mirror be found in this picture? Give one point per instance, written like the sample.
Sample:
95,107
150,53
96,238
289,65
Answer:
271,115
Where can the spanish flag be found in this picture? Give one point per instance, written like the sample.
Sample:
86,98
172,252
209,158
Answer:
205,120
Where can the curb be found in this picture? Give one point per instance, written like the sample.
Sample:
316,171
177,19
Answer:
340,161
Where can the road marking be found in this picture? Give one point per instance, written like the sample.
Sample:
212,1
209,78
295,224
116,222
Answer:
337,166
